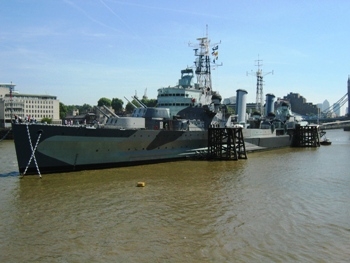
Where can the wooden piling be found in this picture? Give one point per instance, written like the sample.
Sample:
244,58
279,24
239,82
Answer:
306,136
226,144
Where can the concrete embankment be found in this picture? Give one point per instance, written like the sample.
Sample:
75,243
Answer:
268,142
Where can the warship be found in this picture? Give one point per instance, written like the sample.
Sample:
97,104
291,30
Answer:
176,128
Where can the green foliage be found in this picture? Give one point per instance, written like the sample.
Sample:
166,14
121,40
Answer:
149,103
66,110
86,108
230,110
63,110
46,120
117,105
104,101
129,108
70,109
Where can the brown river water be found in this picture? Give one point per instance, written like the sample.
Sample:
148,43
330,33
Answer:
285,205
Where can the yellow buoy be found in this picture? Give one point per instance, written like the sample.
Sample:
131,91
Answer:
141,184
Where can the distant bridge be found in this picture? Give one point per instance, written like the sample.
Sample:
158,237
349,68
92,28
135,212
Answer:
336,106
335,124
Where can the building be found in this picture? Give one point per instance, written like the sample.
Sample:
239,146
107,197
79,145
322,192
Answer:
300,106
336,109
230,100
325,106
26,106
250,107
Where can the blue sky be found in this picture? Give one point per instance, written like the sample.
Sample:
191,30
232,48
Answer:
82,50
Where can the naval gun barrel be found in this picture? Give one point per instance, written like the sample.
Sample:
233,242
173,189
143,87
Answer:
140,102
109,111
103,113
131,103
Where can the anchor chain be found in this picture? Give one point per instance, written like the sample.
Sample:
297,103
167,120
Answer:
33,151
3,138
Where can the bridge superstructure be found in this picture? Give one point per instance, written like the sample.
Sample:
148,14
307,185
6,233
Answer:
335,125
340,103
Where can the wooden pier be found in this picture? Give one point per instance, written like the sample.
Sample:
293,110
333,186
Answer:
306,136
226,144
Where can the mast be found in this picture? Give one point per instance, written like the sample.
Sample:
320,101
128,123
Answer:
259,105
259,88
203,61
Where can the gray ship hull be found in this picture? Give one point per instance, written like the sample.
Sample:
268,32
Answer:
71,148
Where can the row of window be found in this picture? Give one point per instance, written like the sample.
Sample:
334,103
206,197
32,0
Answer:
14,110
39,111
13,105
8,116
39,101
21,105
173,95
39,106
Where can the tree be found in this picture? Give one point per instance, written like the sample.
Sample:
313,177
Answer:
149,103
71,109
63,110
129,108
104,101
86,108
117,105
46,120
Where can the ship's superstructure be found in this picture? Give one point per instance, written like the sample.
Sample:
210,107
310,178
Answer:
194,88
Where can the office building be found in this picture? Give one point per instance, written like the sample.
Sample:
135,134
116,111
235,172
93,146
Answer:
26,106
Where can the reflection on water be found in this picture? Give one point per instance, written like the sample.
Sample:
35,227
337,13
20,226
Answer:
287,205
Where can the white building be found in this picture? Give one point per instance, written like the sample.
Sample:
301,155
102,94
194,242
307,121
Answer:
26,106
230,100
325,105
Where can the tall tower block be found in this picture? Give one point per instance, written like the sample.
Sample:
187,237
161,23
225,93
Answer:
349,95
